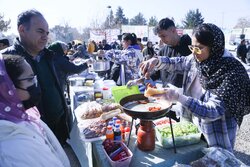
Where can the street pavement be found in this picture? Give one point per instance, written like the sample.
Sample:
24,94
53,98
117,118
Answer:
242,144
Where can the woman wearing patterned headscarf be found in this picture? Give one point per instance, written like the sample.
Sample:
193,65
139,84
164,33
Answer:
225,86
24,139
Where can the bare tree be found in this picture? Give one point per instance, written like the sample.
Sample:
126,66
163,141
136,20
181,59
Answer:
243,22
4,25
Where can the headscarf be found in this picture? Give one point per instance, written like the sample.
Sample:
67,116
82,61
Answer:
57,47
11,107
226,77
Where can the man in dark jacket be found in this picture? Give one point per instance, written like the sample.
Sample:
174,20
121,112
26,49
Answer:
242,51
175,45
33,32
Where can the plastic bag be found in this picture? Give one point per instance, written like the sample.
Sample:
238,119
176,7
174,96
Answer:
217,157
88,110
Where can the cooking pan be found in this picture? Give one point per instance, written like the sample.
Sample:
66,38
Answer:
131,105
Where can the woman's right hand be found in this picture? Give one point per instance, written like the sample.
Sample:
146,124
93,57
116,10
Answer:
148,66
170,95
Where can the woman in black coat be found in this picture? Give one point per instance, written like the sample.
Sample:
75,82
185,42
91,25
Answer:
63,66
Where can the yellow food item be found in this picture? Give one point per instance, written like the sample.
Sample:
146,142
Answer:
89,83
110,114
153,91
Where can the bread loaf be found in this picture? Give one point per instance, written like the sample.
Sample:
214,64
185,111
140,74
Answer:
153,91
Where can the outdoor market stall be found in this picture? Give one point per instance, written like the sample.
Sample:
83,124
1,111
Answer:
89,150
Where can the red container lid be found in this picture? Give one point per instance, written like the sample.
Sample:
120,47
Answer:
105,88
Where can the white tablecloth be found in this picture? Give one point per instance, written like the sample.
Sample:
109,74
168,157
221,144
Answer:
82,149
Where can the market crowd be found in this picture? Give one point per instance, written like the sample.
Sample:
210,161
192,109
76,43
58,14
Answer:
208,84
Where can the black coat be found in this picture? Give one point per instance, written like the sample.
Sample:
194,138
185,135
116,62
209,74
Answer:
242,52
64,68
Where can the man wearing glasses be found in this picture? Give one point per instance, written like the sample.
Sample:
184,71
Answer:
33,32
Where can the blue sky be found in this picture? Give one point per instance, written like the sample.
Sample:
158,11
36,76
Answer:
81,13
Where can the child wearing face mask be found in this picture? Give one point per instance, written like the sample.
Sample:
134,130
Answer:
34,92
26,140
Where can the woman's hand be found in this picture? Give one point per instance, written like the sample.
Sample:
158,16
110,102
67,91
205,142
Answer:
148,66
170,95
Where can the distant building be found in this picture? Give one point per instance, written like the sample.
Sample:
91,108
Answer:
238,33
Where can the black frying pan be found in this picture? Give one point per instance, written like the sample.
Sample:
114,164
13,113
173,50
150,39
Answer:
133,108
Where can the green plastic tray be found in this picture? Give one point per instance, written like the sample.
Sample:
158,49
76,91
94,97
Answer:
120,92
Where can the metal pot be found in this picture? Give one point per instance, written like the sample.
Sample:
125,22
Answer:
101,65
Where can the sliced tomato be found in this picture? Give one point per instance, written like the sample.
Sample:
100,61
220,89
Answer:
153,109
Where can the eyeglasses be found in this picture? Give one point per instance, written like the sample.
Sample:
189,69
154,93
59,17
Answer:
195,49
31,79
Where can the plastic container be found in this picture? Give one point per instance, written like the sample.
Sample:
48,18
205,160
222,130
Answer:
98,85
167,142
106,93
98,94
76,81
124,162
109,83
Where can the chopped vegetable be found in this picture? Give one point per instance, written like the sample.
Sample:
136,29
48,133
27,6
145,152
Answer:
179,129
